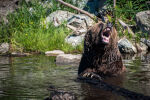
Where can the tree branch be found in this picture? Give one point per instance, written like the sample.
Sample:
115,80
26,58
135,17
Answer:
125,26
79,10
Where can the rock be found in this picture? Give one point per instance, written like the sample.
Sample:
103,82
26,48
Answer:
54,53
81,23
58,17
125,46
80,3
145,41
6,7
4,48
56,94
19,54
68,59
143,21
78,21
74,40
141,47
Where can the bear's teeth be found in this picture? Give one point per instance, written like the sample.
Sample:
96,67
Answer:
108,29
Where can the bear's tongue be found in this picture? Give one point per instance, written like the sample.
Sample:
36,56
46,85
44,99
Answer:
105,39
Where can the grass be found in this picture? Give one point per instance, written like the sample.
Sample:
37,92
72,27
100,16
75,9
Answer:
26,33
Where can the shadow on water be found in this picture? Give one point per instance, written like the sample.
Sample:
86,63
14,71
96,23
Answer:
27,78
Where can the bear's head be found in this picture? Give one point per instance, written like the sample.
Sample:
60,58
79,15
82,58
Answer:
105,33
101,35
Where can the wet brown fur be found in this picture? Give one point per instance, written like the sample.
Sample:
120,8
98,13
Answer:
100,58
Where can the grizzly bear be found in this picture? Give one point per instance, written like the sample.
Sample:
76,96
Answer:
101,55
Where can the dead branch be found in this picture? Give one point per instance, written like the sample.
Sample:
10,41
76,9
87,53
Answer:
125,26
114,4
79,10
71,27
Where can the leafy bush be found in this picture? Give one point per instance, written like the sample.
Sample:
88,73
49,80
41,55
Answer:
127,9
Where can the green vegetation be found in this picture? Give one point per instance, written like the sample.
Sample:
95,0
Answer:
126,10
27,33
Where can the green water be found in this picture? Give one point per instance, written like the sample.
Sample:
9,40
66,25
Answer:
28,78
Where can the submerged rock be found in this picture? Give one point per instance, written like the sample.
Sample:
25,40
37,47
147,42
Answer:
4,48
56,94
143,21
4,60
68,59
54,53
19,54
125,46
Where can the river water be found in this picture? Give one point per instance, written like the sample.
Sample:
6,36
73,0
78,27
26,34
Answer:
28,78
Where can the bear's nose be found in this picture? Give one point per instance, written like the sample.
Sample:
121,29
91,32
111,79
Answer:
109,25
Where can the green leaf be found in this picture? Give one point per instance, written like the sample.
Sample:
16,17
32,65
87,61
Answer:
109,18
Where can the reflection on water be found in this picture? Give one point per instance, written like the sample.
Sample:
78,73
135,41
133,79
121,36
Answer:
26,78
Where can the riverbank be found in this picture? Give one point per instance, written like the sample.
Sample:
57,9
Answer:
26,31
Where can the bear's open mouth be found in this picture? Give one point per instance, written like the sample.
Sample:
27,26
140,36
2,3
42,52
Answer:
106,35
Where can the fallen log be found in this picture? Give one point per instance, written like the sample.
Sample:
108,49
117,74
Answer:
125,26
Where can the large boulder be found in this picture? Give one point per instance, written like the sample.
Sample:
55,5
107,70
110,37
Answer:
4,48
125,46
68,59
78,21
57,17
74,40
143,21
